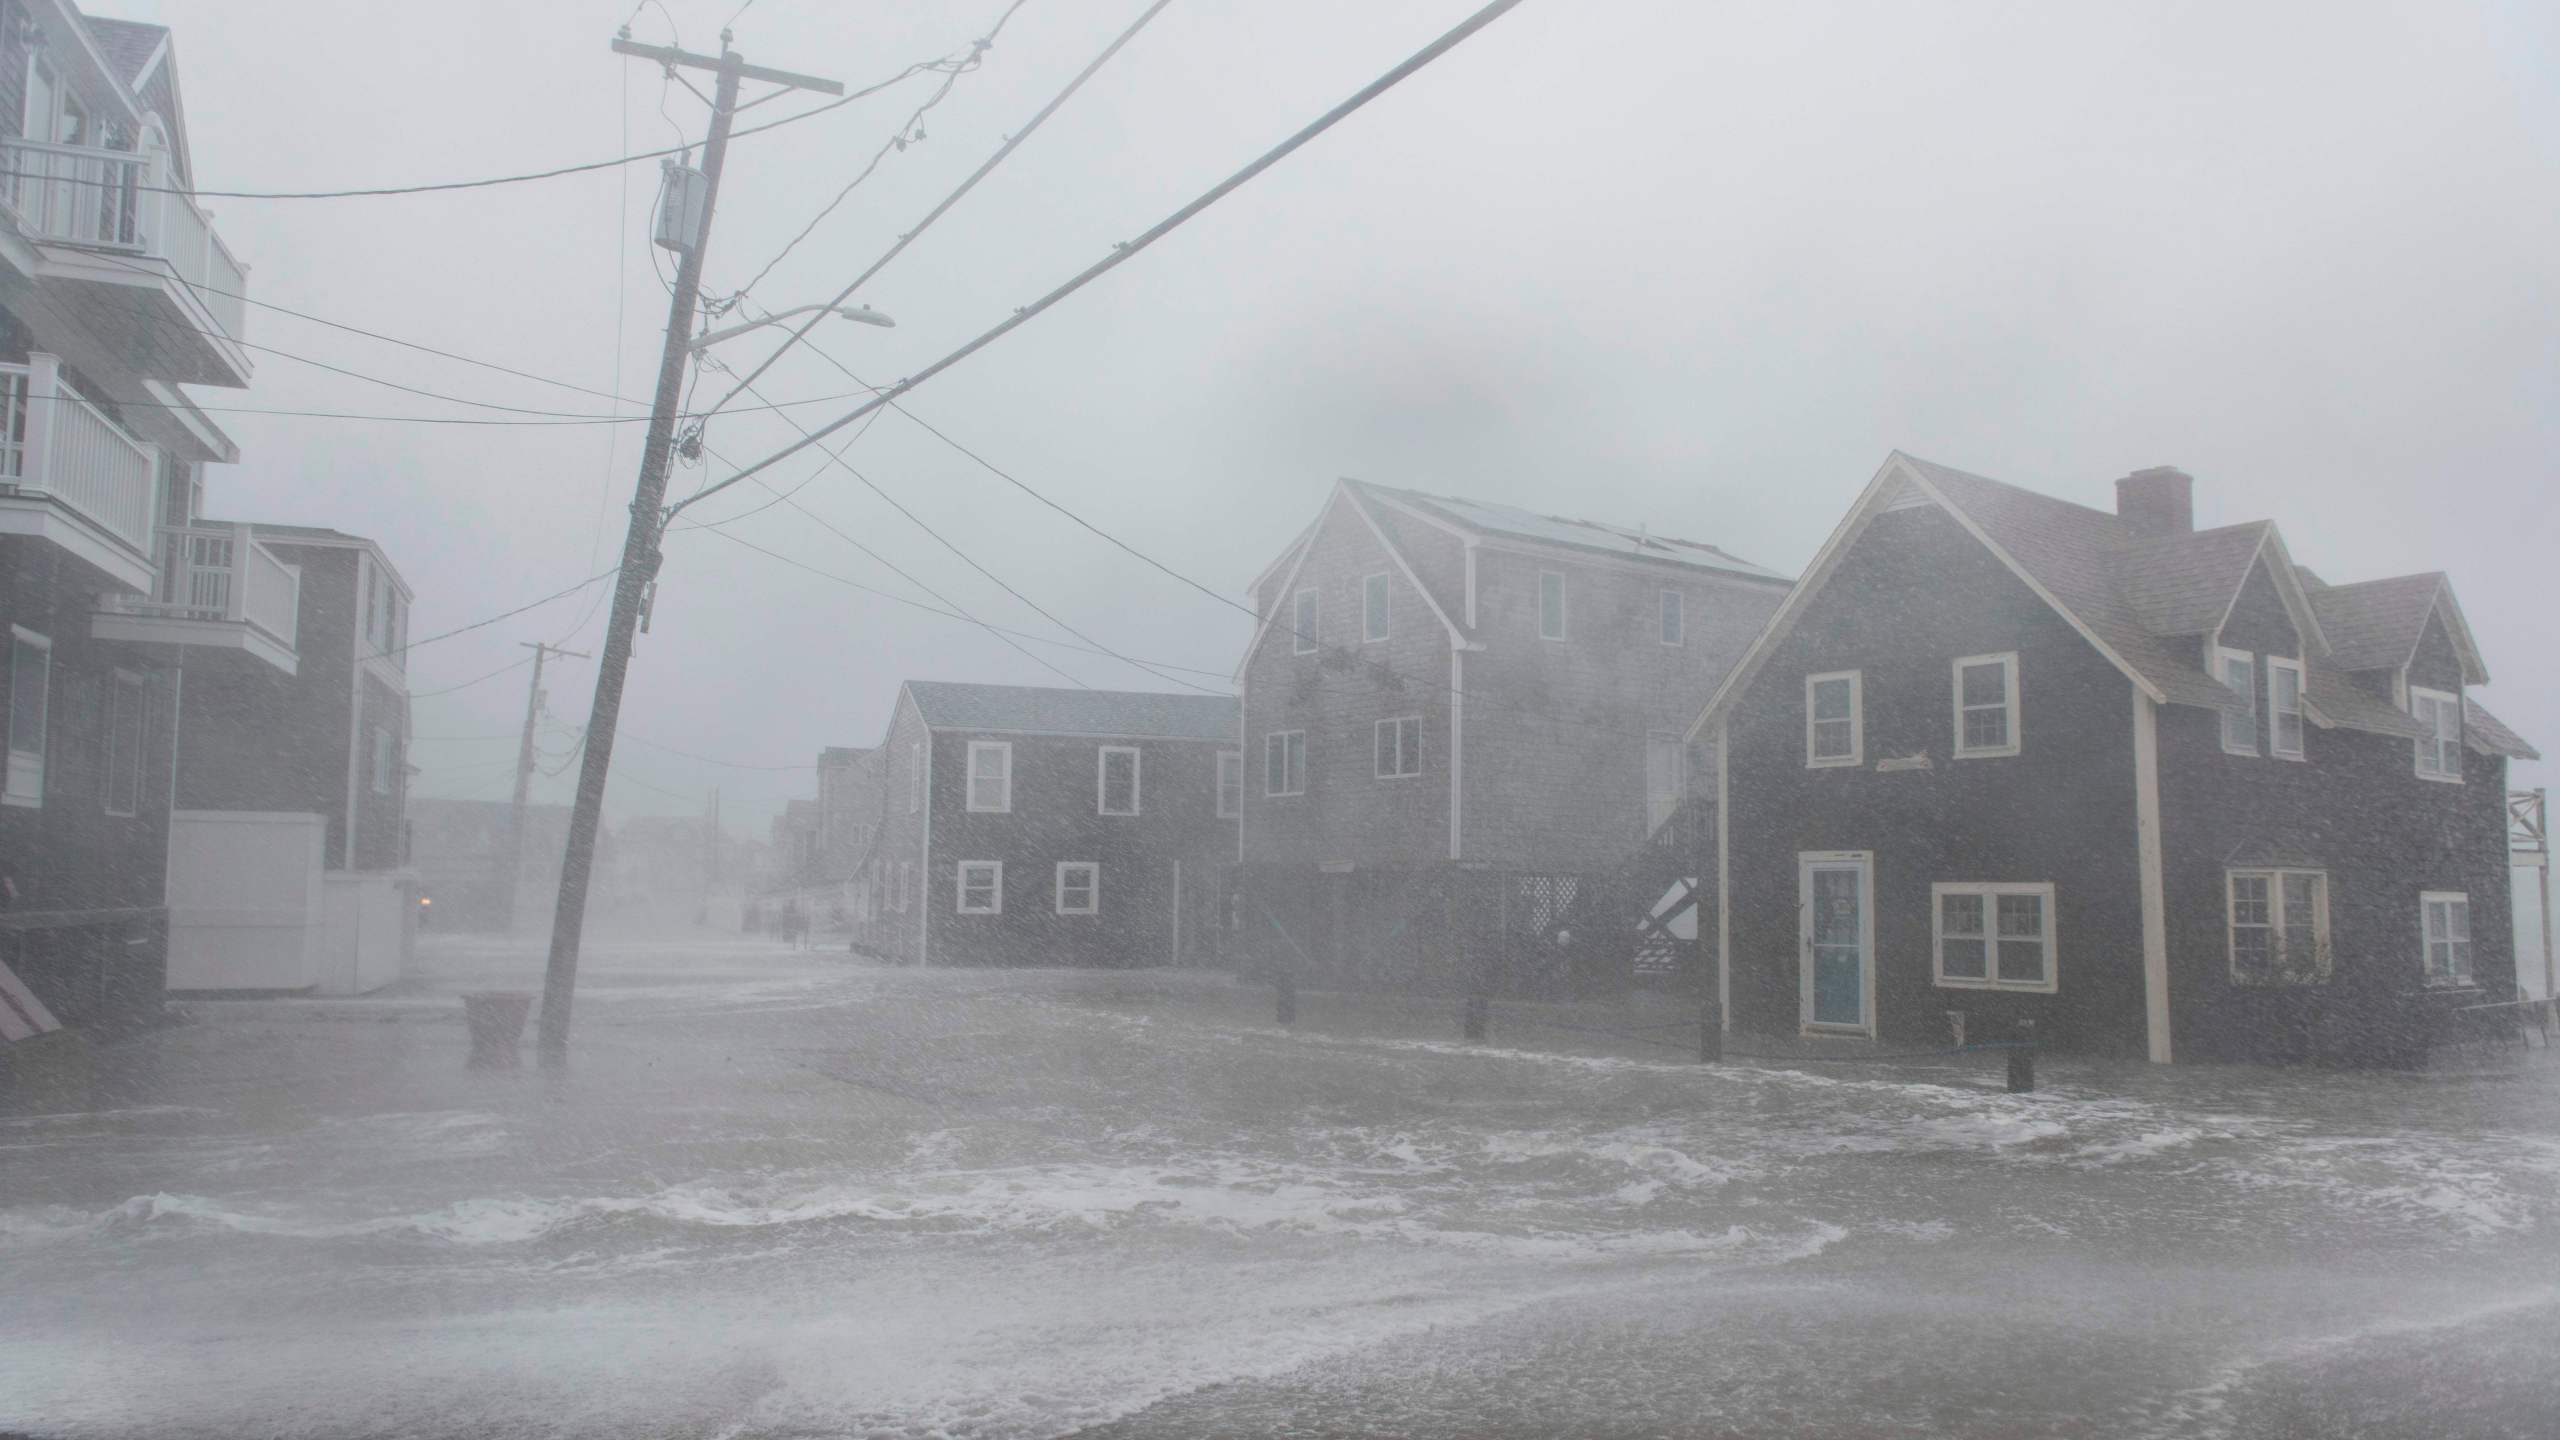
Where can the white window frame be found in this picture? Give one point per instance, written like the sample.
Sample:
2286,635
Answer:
1102,779
1004,805
2007,660
1408,765
2441,744
1230,784
2222,662
1990,893
125,690
1674,609
1092,874
2465,977
961,885
1813,758
2277,713
24,783
2277,937
1564,625
1375,593
1293,768
1306,614
915,776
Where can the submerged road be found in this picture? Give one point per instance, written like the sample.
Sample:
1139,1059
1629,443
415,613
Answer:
783,1194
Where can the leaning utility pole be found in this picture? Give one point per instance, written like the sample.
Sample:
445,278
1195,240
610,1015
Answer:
636,581
524,777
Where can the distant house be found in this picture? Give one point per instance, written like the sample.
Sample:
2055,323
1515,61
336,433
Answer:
459,850
1026,826
818,843
1463,741
2159,789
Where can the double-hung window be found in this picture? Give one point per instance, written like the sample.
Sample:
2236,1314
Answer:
2279,926
990,775
1284,762
386,758
1230,784
1399,747
1373,608
1995,936
2440,750
1079,887
1302,622
1834,728
2444,918
1550,605
1987,705
1116,780
981,887
124,744
30,703
2284,708
1675,622
2240,727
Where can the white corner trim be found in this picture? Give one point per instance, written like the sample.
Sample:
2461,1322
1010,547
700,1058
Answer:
1457,735
2155,909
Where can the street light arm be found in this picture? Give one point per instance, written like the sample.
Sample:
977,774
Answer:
865,314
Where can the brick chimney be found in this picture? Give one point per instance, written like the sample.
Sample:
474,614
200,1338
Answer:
2158,501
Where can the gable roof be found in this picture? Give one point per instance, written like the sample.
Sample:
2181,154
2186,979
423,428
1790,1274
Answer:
2184,584
128,45
1110,714
2489,734
1482,517
2377,624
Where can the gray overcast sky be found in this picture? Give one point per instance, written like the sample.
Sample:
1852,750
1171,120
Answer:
1698,266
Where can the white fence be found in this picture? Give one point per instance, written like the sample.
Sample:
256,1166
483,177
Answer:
123,200
251,907
58,444
221,572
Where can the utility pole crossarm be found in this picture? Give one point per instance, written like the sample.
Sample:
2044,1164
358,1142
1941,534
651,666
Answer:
669,55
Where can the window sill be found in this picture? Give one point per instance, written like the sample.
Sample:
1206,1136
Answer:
1407,775
2006,986
2243,754
987,810
1841,762
1999,754
24,802
2440,779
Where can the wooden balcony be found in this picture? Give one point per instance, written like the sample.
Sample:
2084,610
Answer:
218,587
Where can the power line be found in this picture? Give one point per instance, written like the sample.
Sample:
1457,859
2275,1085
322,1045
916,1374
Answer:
707,760
1122,252
467,684
504,614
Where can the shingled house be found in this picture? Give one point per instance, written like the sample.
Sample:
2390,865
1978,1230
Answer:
1463,729
2158,789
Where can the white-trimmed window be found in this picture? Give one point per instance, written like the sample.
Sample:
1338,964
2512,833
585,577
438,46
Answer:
30,705
2284,708
1995,936
1399,747
1374,592
915,776
991,775
1115,780
386,758
1675,619
2240,727
1079,887
1284,762
1551,604
124,744
2444,918
981,887
2439,753
1302,622
2279,920
1986,705
1835,727
1230,784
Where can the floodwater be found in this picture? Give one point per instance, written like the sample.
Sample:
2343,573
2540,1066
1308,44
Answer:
783,1194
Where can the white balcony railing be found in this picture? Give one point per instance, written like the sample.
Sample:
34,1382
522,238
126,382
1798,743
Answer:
221,572
123,200
54,443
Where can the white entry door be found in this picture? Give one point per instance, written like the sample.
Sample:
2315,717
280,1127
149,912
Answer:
1835,900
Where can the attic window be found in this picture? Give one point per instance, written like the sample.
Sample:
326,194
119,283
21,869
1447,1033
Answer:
2284,708
2439,753
1373,608
2240,727
1302,622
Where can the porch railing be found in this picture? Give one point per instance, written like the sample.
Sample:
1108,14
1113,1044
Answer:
123,200
53,442
221,572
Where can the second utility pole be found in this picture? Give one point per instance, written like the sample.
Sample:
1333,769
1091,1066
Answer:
632,583
524,777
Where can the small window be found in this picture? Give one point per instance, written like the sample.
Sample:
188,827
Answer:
990,775
2279,927
1399,747
1995,937
1284,762
1674,621
1987,705
1079,887
981,887
2284,708
2444,918
124,744
386,758
2439,753
1550,605
915,776
1834,728
30,704
2240,727
1302,622
1116,780
906,885
1373,608
1230,784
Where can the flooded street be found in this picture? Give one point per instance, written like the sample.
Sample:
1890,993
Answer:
781,1193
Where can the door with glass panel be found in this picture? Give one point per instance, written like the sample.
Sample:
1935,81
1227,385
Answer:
1835,898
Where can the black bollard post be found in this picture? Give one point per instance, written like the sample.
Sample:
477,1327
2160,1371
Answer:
1284,995
2022,1060
1473,1022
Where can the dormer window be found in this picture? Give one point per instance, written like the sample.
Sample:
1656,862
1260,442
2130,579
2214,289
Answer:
2439,752
2240,727
2284,708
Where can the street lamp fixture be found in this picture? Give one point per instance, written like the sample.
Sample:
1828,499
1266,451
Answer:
862,313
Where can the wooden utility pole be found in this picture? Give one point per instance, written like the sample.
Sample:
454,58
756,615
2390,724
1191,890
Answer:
635,583
524,778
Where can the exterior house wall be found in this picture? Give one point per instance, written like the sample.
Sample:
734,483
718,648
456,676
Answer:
889,915
1910,596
